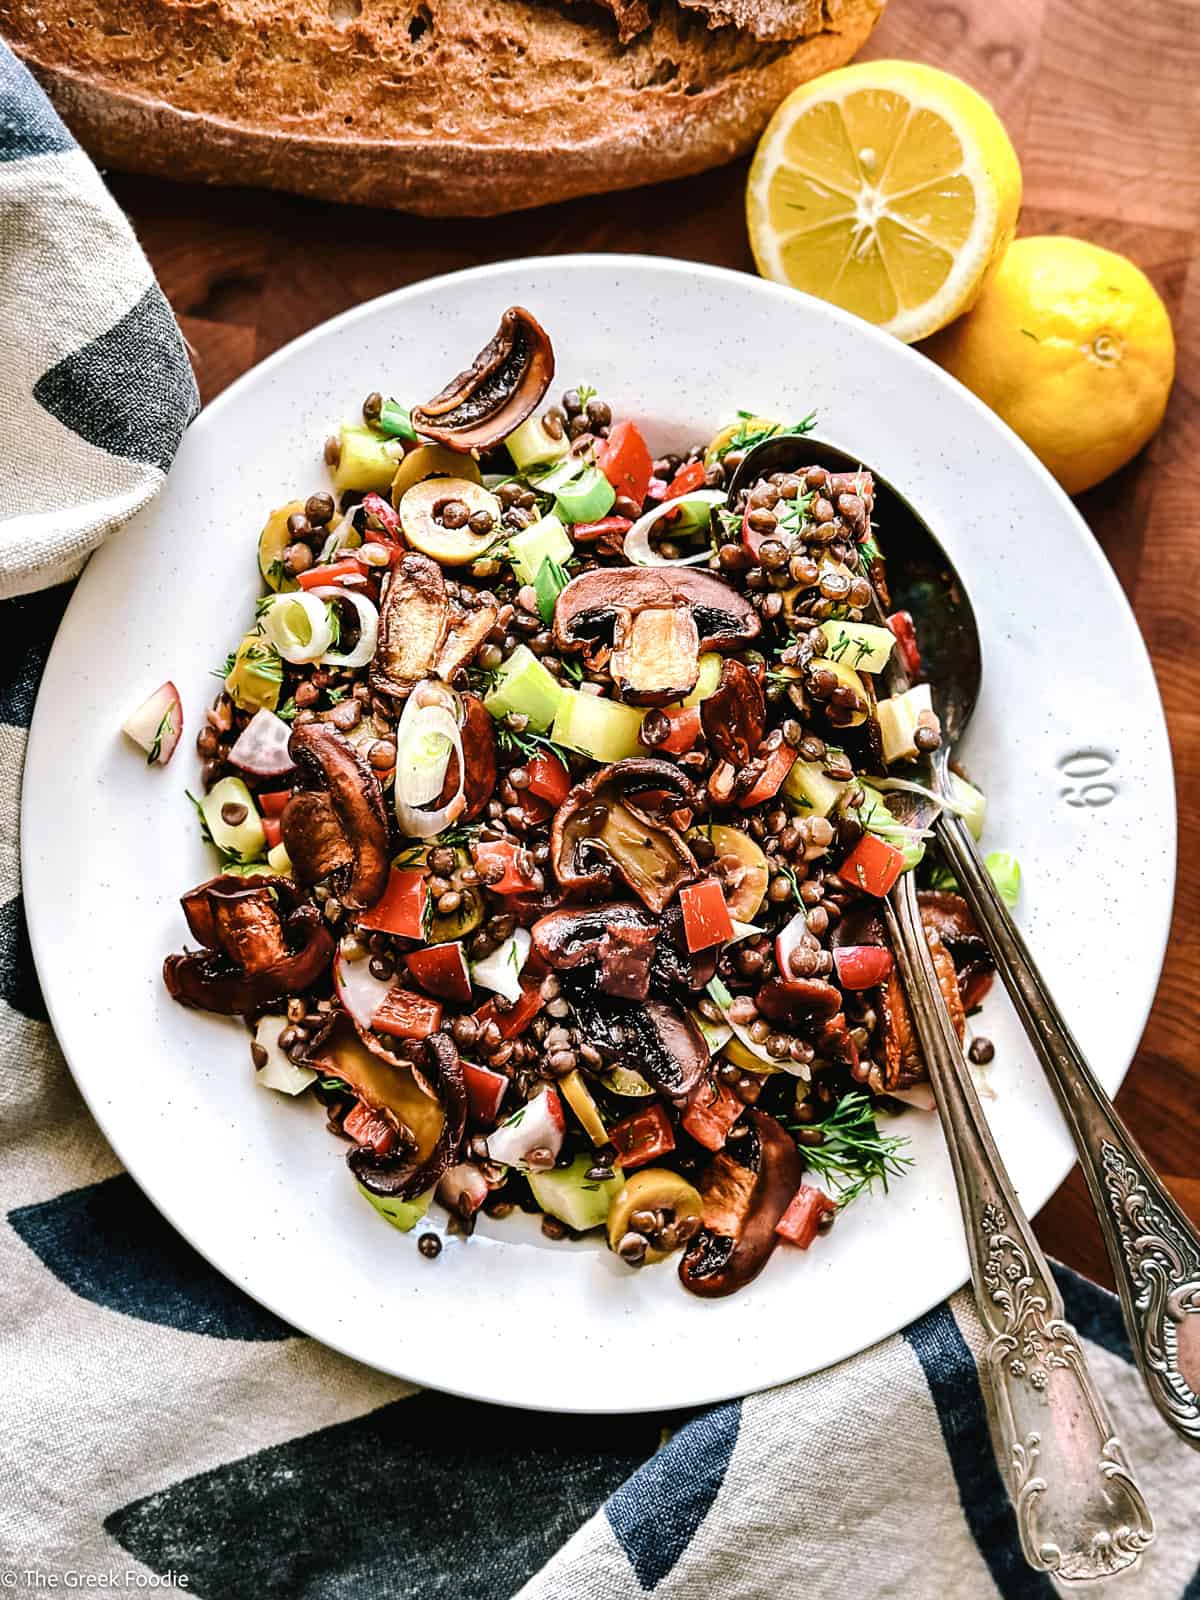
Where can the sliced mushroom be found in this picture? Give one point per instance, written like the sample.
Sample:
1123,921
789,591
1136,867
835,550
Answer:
902,1064
619,937
413,620
734,716
791,999
950,917
502,386
259,946
657,1039
464,637
431,1118
675,966
745,1189
615,823
656,621
354,804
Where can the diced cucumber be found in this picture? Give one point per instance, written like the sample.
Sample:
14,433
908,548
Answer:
244,839
402,1214
807,786
550,481
898,719
272,542
1005,872
531,446
587,499
366,463
859,644
570,1195
710,676
524,687
971,803
279,860
256,677
529,548
606,730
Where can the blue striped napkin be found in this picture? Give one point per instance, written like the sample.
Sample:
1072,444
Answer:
160,1430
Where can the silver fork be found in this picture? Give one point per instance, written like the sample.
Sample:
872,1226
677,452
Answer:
1080,1513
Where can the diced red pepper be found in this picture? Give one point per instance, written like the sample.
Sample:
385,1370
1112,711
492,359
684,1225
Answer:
862,966
686,480
514,1022
485,1091
369,1127
800,1223
872,866
706,919
548,778
779,763
532,809
272,831
271,805
376,506
643,1137
515,879
712,1111
408,1015
336,572
751,538
401,911
901,624
441,969
625,460
685,730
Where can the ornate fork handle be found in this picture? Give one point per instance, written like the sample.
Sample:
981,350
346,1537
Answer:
1153,1247
1079,1512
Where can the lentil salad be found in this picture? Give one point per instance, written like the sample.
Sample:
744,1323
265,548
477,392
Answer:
550,795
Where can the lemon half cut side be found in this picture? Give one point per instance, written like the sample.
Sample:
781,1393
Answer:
888,188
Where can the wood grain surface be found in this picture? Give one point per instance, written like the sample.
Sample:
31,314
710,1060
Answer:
1104,108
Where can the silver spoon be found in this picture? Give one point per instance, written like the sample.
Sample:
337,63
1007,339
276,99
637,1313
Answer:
1153,1247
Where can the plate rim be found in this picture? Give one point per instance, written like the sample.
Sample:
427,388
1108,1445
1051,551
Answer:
668,266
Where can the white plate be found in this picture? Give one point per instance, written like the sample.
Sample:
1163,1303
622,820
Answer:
1068,741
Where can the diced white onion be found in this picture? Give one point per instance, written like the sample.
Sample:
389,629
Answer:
344,537
637,541
297,625
368,628
501,971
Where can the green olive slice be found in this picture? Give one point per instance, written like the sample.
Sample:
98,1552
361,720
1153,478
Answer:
421,511
652,1189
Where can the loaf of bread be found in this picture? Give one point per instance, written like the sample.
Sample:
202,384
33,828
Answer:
443,107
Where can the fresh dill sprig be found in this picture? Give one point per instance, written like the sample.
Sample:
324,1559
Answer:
854,1155
528,744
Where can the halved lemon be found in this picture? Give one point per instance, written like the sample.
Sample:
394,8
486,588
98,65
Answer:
889,188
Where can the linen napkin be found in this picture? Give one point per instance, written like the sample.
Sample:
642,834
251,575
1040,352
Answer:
159,1430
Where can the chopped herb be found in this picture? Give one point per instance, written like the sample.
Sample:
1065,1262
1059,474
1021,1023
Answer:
482,679
205,832
793,514
516,1119
550,582
528,744
164,730
585,393
789,874
805,425
287,711
335,1085
453,839
276,576
337,694
1032,336
869,551
572,668
514,957
263,604
224,670
854,1154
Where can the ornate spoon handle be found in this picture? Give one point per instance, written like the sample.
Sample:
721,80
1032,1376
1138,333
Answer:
1153,1247
1079,1512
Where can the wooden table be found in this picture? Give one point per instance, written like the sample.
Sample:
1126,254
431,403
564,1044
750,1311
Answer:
1105,113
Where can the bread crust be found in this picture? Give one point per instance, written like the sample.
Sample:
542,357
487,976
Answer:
443,108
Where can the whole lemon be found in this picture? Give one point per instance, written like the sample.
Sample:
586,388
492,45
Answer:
1072,346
